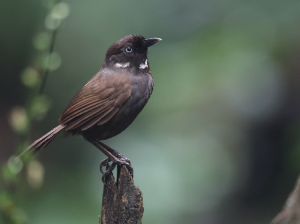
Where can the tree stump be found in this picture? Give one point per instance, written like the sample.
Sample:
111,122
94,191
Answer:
122,202
291,211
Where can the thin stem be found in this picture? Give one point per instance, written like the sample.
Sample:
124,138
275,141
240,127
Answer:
46,71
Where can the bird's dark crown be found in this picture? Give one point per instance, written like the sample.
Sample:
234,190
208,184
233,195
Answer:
130,51
133,41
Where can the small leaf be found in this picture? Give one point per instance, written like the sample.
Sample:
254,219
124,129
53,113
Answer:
30,77
19,119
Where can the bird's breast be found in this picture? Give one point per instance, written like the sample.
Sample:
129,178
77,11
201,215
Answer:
141,89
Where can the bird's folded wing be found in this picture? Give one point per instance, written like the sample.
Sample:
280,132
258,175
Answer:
97,102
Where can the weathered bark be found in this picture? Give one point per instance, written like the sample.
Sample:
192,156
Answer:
122,202
291,211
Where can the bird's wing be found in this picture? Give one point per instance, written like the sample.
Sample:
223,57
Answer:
97,102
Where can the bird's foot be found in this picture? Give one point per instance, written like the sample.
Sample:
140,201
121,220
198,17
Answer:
105,163
122,160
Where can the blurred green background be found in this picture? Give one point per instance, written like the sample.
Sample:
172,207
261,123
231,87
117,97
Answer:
218,142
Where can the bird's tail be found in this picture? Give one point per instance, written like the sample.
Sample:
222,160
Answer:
43,141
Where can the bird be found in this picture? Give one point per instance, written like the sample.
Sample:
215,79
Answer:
110,101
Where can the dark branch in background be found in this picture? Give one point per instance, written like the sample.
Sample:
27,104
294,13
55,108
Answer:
46,72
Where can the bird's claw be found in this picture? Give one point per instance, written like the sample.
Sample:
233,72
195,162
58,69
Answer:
118,161
104,162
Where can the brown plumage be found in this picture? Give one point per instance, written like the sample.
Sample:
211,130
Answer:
95,104
112,99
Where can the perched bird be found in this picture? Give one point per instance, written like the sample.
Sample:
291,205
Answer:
110,101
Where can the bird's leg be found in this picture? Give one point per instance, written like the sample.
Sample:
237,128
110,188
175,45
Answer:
119,159
114,152
120,156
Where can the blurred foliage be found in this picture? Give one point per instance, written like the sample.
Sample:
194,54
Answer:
218,141
22,118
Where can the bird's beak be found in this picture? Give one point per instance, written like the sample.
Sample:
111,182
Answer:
150,41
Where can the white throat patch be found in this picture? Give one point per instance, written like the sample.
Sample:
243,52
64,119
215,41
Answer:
120,65
143,66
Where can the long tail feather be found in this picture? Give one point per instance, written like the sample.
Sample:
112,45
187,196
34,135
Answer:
43,141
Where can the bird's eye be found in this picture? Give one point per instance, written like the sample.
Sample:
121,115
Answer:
128,49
